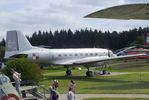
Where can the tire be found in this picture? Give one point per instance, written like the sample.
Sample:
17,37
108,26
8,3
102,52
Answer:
68,73
89,74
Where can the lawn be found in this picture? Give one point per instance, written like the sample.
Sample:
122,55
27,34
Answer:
135,82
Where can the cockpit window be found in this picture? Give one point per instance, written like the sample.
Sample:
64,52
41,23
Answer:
4,79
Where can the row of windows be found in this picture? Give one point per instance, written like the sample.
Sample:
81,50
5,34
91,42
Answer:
81,54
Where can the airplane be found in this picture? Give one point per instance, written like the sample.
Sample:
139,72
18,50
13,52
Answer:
7,90
123,12
136,49
18,46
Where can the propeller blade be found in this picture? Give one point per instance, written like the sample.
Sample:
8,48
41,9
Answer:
108,53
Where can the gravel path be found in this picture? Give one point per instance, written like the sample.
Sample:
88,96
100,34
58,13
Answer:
83,96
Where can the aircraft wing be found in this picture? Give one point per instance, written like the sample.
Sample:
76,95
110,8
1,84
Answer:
94,59
104,58
124,12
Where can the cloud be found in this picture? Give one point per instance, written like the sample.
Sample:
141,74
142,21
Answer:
136,1
33,15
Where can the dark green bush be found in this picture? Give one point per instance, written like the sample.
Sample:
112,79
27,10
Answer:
28,69
2,52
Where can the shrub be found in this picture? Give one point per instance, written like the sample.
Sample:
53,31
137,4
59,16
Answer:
28,69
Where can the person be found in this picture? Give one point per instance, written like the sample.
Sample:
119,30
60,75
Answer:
17,78
54,91
55,84
70,95
72,85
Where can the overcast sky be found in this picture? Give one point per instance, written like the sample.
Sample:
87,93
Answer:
29,16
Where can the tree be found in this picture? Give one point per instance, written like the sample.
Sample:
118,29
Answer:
140,40
2,52
88,38
2,43
34,39
28,69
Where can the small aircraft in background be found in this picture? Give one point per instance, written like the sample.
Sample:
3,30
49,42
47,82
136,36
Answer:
136,49
18,46
139,50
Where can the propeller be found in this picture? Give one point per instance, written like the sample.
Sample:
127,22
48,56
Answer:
108,53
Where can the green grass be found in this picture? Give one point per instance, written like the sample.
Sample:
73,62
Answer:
131,66
116,99
135,82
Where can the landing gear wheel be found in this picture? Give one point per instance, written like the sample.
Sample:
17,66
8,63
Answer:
89,74
68,73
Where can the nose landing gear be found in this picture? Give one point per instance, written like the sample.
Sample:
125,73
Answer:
89,73
68,71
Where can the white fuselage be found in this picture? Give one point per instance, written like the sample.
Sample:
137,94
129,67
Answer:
64,56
